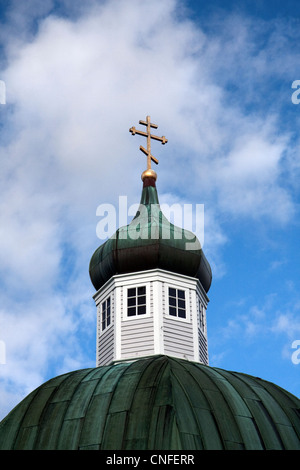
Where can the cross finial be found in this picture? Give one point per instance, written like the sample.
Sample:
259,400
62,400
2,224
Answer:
150,157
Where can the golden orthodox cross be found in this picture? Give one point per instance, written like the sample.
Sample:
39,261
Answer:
149,136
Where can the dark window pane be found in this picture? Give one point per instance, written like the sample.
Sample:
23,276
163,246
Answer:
142,310
131,292
131,311
172,292
142,300
172,311
142,290
131,301
181,303
181,313
108,321
172,301
181,294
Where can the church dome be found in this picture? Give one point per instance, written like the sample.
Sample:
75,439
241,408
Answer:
150,241
154,403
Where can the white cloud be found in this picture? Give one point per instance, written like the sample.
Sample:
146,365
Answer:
288,324
268,326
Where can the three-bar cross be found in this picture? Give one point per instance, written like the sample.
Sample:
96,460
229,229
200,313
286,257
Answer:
149,136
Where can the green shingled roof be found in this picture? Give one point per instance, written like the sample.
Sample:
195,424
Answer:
154,403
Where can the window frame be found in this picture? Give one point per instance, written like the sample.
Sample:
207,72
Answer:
105,318
176,303
143,298
202,319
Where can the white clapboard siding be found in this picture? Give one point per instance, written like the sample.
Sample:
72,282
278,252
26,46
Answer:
178,338
137,338
106,347
106,338
203,353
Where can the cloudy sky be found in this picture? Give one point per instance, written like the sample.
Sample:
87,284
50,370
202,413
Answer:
217,78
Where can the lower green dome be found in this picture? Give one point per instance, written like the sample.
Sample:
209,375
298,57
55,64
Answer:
154,403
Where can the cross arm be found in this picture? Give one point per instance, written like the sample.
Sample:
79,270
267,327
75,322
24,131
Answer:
150,124
162,139
146,153
134,131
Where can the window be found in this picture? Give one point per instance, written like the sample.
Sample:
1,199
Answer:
105,314
136,301
201,317
177,303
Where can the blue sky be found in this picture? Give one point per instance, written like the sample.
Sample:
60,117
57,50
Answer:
217,79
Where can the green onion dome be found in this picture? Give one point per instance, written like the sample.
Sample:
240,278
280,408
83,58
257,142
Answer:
150,241
154,403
